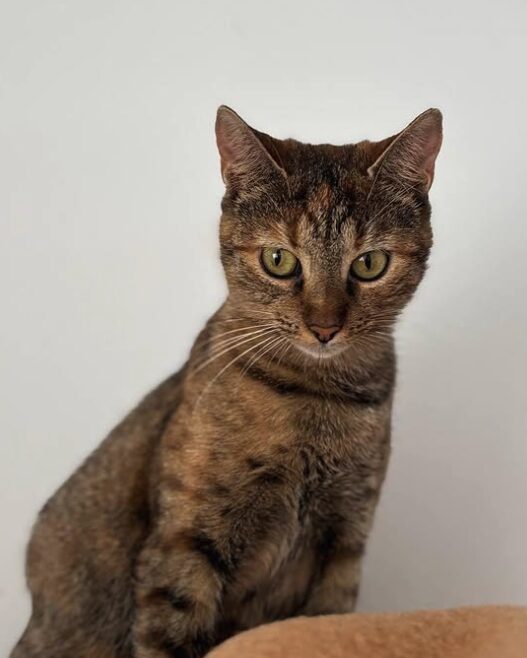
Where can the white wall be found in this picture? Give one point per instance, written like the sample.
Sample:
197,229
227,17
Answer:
109,198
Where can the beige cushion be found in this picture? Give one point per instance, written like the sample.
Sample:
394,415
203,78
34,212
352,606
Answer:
479,632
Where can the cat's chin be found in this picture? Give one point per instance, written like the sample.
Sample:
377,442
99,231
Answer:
321,351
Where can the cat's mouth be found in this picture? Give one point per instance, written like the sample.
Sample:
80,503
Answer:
323,351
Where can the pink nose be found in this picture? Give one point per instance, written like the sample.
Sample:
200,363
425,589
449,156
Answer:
325,334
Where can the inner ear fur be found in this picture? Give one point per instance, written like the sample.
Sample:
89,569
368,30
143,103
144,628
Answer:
410,155
249,158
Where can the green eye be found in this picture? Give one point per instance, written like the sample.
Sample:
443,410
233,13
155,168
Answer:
279,262
370,266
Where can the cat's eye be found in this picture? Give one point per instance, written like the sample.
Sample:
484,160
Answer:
370,266
279,263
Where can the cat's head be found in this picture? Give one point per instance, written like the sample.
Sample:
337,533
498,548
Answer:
326,244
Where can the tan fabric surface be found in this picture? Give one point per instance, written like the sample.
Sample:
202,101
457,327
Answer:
479,632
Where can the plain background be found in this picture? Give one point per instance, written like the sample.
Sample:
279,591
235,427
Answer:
109,200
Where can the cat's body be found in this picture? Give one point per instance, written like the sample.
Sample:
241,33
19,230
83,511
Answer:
242,490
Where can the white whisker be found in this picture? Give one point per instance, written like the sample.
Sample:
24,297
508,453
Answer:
273,340
254,335
236,358
216,337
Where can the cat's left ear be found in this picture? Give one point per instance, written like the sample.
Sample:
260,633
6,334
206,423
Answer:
409,157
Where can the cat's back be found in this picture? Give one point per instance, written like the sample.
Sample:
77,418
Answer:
86,536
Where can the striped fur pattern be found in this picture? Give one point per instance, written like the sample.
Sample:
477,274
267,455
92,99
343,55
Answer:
242,490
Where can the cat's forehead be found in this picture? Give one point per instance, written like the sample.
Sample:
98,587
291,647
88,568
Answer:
327,213
328,209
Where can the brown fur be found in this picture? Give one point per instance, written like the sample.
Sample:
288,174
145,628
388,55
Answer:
242,490
492,632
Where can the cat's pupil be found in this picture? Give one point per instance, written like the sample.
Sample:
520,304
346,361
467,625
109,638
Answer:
277,257
367,261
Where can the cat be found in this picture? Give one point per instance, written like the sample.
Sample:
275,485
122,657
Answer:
479,632
242,490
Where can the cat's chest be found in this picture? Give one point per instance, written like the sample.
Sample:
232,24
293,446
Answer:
322,483
324,453
279,577
327,441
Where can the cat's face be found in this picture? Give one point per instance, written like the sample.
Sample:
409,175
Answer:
323,246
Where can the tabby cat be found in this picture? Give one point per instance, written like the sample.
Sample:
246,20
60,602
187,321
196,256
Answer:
242,489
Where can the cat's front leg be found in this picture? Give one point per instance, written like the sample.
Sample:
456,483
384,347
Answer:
341,547
184,573
178,591
337,587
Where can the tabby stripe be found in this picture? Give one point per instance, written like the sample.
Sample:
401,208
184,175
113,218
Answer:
347,392
177,600
205,545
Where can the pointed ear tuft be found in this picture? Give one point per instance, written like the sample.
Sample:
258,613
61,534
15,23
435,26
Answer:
410,157
245,161
232,137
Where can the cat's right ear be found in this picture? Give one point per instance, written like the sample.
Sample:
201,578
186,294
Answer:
247,165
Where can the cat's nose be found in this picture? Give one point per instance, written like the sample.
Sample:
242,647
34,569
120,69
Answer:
325,334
